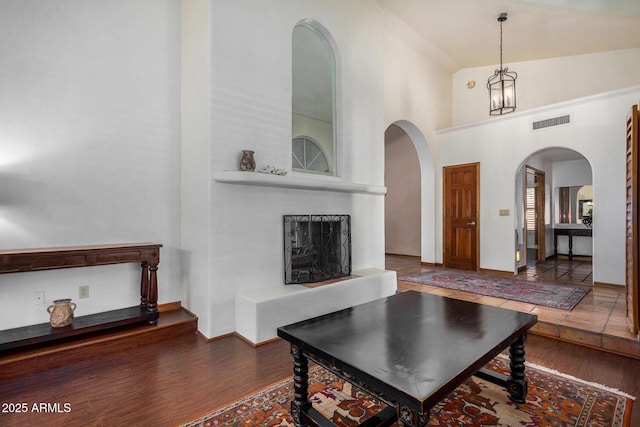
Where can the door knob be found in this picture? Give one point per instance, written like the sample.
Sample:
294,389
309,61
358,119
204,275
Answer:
471,223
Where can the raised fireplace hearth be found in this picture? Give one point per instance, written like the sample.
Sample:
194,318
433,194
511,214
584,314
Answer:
316,248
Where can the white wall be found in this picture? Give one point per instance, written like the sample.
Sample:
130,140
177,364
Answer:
89,137
417,98
250,108
572,173
195,213
546,82
597,132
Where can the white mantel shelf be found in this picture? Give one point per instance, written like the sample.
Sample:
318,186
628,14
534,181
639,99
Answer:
296,181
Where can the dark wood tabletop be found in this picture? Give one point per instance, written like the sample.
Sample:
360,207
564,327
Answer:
412,347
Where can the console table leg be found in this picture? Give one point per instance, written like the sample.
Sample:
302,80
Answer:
152,307
411,418
570,246
144,285
301,400
517,383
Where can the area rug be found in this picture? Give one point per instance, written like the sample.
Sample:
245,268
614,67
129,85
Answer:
554,399
547,294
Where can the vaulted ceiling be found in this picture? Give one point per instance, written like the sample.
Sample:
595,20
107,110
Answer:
467,31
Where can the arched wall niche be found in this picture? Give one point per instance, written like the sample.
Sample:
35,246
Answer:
315,90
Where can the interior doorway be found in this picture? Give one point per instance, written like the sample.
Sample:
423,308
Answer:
402,207
461,222
534,202
543,222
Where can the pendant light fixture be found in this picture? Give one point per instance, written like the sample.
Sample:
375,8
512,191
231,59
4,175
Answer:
502,85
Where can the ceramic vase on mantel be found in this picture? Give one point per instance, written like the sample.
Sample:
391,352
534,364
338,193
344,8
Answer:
61,312
247,163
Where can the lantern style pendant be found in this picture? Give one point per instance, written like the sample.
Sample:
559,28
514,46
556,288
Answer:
502,84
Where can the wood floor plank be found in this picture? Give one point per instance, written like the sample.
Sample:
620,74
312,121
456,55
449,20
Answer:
181,378
165,384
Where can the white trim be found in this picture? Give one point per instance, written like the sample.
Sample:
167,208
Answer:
312,182
545,109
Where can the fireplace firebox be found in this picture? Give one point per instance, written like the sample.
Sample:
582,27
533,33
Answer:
316,248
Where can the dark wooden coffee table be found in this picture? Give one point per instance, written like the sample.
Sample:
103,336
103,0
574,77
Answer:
410,350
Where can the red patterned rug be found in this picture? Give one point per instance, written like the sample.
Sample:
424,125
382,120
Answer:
547,294
554,399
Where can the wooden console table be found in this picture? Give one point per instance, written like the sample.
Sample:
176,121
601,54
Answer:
25,260
570,232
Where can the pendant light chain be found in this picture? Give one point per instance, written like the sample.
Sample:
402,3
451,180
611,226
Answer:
501,21
502,85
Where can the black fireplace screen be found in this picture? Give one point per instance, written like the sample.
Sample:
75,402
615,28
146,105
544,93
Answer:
316,247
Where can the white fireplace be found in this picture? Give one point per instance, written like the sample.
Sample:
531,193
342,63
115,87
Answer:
247,256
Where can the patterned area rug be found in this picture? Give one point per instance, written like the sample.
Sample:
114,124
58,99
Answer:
554,399
546,294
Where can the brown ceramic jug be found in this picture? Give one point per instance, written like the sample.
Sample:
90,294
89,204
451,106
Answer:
61,312
247,163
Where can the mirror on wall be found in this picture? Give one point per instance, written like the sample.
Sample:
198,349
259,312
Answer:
313,101
574,205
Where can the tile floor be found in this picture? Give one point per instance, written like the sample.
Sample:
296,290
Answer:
597,321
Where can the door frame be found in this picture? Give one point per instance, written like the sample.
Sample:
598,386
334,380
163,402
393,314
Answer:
476,259
539,209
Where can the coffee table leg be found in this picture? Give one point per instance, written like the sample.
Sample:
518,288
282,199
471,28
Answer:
411,418
301,400
517,383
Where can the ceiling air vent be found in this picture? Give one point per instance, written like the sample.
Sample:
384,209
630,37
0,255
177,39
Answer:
556,121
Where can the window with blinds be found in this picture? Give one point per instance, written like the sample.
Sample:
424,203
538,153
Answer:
530,209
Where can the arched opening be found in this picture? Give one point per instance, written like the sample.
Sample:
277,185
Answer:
554,216
402,203
408,154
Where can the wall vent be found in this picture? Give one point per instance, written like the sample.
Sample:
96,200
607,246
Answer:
556,121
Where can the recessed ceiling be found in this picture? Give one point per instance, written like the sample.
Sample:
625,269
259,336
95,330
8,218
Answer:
468,32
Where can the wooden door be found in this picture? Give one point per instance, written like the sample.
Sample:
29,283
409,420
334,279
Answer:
541,252
461,217
633,193
534,195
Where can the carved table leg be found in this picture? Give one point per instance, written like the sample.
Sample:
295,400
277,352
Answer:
152,307
301,400
144,285
517,383
410,418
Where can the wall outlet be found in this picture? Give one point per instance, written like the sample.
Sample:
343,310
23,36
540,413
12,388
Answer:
83,291
38,297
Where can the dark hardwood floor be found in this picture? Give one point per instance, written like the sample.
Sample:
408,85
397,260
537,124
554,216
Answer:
181,378
168,383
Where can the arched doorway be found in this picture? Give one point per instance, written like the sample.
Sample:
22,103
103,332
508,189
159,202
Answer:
408,154
566,204
402,203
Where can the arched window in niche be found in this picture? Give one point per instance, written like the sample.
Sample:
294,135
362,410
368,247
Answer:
313,100
307,155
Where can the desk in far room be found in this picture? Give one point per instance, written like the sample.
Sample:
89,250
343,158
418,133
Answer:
570,233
